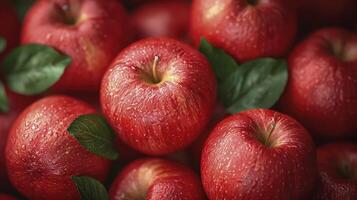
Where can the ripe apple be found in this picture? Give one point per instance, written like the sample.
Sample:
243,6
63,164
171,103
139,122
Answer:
158,95
10,26
337,164
327,13
91,32
162,18
6,197
322,87
246,29
41,156
16,103
259,154
153,179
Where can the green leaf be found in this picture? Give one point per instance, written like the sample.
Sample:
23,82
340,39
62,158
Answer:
94,133
4,103
90,188
255,84
22,6
33,69
222,63
2,44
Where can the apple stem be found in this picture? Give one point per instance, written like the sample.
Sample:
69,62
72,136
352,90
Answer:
270,133
156,60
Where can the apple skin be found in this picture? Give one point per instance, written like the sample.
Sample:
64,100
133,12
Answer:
245,31
321,91
17,103
162,116
327,13
41,156
101,30
162,18
153,179
236,164
334,184
6,197
10,27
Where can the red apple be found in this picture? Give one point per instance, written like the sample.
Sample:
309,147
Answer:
162,18
10,26
259,154
319,13
41,156
158,95
246,29
154,179
337,165
322,87
90,31
16,103
6,197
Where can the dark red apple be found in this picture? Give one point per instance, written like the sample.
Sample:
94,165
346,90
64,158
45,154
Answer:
158,95
259,154
154,179
10,26
41,156
319,13
246,29
6,197
91,32
322,87
337,165
16,103
162,18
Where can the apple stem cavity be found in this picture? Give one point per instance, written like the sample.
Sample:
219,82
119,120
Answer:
69,19
252,2
266,142
156,79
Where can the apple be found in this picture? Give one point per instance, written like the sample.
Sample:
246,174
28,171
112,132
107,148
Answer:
322,89
259,154
327,13
162,18
16,103
6,197
158,95
337,164
153,179
10,26
41,156
246,29
91,32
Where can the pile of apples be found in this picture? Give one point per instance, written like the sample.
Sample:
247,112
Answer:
178,99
